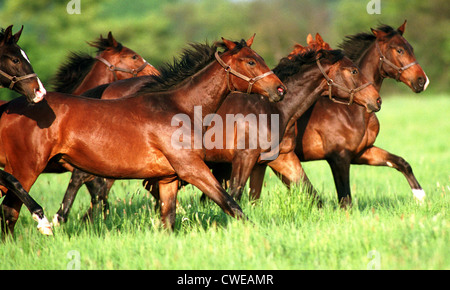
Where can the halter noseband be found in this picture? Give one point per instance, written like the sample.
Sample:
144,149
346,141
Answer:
114,68
228,69
399,70
15,79
331,83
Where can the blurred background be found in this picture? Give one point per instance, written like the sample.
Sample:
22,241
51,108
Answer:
158,30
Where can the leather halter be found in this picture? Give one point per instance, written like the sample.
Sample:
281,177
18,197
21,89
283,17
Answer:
114,68
399,70
228,69
331,83
15,79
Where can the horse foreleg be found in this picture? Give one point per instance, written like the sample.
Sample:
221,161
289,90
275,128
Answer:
241,168
98,188
379,157
256,181
289,169
77,179
15,197
340,167
168,202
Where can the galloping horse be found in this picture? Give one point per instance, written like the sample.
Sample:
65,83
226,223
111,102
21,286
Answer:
309,75
344,135
131,138
82,72
16,73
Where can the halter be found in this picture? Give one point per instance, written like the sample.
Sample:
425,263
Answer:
114,68
399,70
331,83
228,69
15,79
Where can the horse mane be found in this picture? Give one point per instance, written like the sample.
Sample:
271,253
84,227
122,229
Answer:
291,66
78,64
355,45
71,73
193,59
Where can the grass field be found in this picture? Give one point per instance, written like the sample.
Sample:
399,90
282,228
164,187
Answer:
385,229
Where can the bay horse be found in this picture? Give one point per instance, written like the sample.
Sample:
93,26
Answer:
344,135
307,81
81,72
16,73
131,138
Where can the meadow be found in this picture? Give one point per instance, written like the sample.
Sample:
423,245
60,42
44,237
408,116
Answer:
385,229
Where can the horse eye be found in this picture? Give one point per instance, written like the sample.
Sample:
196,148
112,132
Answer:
252,63
400,51
354,71
16,61
134,57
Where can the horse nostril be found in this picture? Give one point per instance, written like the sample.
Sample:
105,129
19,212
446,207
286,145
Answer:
421,81
281,91
379,101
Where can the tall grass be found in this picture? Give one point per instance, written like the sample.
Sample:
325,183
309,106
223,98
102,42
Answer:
385,228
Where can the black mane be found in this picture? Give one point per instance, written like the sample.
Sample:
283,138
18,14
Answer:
354,46
192,60
72,72
289,67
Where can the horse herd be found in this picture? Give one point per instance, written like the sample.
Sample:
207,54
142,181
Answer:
112,117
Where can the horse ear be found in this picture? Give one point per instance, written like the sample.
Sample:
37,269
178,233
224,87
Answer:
378,33
111,40
7,35
402,27
319,39
228,43
17,35
250,40
309,39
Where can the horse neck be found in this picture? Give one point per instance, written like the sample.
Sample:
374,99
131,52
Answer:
97,76
303,90
369,64
207,88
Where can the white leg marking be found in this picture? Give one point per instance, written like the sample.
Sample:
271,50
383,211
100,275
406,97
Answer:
419,195
43,226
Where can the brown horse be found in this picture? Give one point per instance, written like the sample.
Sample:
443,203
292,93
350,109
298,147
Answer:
16,73
82,72
307,81
132,138
344,135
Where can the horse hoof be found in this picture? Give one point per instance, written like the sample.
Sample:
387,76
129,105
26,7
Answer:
419,195
55,221
43,226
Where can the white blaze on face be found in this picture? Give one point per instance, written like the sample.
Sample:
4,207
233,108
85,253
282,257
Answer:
426,83
39,94
24,55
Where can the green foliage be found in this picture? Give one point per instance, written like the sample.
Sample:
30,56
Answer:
160,29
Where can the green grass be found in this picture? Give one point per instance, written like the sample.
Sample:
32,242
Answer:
286,233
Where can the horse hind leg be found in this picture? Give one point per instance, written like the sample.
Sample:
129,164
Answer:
379,157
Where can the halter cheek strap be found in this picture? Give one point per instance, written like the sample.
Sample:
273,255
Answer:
114,68
331,83
229,70
14,79
399,70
